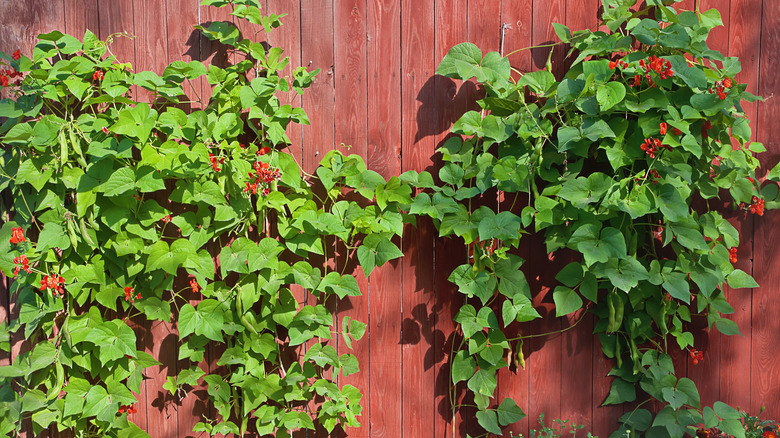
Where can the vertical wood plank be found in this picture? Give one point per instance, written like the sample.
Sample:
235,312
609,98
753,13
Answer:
418,335
183,43
765,370
544,14
449,103
149,24
288,38
735,357
516,28
80,16
23,22
349,68
317,47
116,17
708,375
383,56
577,343
544,360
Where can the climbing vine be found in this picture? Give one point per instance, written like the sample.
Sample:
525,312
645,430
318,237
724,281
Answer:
117,211
622,166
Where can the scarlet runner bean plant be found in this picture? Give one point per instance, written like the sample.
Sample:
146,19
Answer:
622,167
117,211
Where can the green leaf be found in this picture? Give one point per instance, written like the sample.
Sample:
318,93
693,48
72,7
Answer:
739,279
610,94
483,382
121,181
489,421
508,412
461,62
566,301
620,392
463,366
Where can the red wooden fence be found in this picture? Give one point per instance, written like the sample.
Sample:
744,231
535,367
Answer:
378,93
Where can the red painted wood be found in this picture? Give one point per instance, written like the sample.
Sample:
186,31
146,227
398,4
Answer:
183,43
81,15
418,336
517,33
318,101
288,37
544,14
383,57
765,372
350,112
719,37
736,352
449,103
577,343
516,28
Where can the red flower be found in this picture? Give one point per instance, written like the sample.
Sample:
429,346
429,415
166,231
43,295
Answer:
21,263
769,434
194,285
167,218
263,150
612,65
129,291
664,128
54,283
676,131
733,254
98,75
216,161
637,80
696,355
17,235
17,54
757,206
727,82
127,408
105,130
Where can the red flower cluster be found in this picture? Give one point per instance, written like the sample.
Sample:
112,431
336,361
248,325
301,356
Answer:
263,150
21,262
733,254
652,145
16,55
658,233
706,127
769,434
194,285
696,355
216,161
720,88
98,75
127,408
619,63
263,176
17,235
757,207
661,66
167,218
652,173
129,291
6,75
664,128
54,283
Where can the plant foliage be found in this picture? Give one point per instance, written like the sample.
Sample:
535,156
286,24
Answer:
119,211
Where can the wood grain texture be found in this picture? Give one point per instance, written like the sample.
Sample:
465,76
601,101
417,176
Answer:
447,100
765,371
387,283
80,16
418,336
288,37
351,130
317,45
